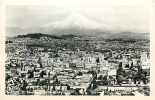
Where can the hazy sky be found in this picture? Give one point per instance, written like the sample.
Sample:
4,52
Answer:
78,16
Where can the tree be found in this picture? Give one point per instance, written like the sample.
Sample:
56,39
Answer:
127,66
131,67
42,74
120,74
7,77
24,85
80,73
100,77
105,80
98,60
31,74
40,62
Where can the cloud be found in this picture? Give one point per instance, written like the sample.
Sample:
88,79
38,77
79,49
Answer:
77,15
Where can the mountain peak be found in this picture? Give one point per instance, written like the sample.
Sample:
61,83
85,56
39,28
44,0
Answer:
75,21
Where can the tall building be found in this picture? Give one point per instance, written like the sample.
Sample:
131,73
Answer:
145,61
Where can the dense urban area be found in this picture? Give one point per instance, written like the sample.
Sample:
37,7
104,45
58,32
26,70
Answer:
39,64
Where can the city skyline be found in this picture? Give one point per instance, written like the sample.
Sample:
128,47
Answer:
78,48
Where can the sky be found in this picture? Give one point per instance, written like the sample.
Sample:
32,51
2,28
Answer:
77,16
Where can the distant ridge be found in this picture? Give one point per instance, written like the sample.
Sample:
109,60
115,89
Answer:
39,35
122,35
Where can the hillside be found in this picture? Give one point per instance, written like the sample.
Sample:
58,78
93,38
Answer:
83,36
39,35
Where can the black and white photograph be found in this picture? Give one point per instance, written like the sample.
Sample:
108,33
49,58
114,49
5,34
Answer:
77,49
